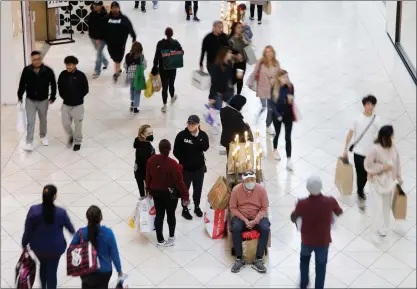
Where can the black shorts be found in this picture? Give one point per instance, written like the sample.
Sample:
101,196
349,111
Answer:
116,53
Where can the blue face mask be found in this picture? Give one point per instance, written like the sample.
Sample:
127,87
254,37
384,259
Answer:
249,186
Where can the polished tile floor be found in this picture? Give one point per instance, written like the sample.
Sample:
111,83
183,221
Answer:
335,52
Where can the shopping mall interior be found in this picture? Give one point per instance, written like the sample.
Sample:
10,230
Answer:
335,52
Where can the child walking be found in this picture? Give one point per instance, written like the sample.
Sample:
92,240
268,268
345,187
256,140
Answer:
135,64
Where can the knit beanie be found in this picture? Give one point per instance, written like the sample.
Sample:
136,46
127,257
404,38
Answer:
314,185
237,102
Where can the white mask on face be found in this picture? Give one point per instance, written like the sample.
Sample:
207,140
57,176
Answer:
249,186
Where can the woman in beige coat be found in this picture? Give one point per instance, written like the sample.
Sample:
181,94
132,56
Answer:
262,80
384,168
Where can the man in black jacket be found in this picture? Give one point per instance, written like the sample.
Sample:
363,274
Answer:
95,31
117,28
189,147
35,81
73,87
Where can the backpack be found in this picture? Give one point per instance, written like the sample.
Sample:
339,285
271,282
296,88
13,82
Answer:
25,271
82,259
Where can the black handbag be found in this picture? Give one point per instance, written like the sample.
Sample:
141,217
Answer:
174,194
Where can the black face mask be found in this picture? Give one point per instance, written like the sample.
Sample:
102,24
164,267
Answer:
149,138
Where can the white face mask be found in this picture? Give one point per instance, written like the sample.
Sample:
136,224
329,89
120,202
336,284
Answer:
249,186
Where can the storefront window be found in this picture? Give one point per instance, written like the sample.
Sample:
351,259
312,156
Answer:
408,31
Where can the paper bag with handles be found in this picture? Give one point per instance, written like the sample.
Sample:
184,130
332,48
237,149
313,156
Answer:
249,251
399,203
344,176
219,194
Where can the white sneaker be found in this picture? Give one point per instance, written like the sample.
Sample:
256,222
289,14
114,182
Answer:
270,129
171,241
276,155
174,98
382,232
167,243
289,165
164,108
28,147
44,141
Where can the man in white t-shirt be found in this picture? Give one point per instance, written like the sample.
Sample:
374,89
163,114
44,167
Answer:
364,132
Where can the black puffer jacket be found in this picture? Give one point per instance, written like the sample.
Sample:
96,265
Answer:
232,123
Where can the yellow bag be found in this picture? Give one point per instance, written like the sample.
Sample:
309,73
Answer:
268,8
149,87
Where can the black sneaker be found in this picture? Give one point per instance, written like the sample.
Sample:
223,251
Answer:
186,214
70,142
77,147
196,19
116,76
188,18
143,10
258,266
104,67
198,212
135,110
251,18
131,106
238,266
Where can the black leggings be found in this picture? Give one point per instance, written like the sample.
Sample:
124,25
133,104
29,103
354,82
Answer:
260,11
140,180
288,128
188,6
163,203
96,280
168,81
237,81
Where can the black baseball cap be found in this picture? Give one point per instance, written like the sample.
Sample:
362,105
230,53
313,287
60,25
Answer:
99,3
193,119
115,4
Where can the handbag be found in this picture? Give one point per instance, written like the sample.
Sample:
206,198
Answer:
174,194
25,271
173,58
362,134
253,79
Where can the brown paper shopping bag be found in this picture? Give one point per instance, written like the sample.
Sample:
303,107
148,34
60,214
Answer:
344,176
249,251
399,203
244,152
219,194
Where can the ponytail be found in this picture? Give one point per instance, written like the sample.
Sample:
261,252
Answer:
48,207
94,218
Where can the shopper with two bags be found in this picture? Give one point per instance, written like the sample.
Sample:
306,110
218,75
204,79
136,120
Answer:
135,64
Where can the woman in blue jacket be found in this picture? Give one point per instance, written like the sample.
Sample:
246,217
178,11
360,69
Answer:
44,234
281,106
102,238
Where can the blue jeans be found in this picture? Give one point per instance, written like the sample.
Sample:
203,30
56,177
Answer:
238,227
320,254
48,271
100,55
134,94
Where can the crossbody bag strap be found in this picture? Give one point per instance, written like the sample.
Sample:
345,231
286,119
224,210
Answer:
364,132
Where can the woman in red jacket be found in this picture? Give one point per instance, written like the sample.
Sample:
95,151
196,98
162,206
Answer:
165,183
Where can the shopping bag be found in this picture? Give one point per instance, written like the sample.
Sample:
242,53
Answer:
344,177
21,118
210,115
215,221
140,82
201,80
219,194
251,235
149,86
296,112
134,217
25,271
156,82
122,282
244,163
249,55
173,58
82,258
146,215
249,250
399,203
268,8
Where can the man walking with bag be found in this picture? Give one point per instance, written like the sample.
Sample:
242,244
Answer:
364,130
35,81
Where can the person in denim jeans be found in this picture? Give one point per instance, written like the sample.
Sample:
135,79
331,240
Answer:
95,31
314,217
134,58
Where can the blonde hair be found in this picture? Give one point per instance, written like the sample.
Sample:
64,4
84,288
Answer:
142,130
278,84
265,61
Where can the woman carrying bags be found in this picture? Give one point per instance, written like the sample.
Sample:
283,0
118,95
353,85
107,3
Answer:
135,64
384,168
281,104
144,150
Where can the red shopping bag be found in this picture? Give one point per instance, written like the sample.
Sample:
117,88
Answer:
25,271
82,258
215,221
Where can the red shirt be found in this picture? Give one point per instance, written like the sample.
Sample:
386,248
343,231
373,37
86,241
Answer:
162,173
317,214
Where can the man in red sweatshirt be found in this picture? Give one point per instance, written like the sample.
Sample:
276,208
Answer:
249,205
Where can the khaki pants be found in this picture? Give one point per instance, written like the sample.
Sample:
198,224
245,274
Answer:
70,114
33,107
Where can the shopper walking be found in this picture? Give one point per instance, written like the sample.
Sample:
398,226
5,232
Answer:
135,60
144,150
35,81
260,7
383,166
222,78
238,42
165,63
73,87
317,215
189,147
188,10
95,31
363,131
164,181
263,79
281,105
211,46
103,240
116,30
44,234
143,5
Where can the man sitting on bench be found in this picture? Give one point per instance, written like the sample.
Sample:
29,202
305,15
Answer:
249,204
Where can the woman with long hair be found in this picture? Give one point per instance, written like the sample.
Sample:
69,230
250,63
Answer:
44,234
238,42
167,47
132,60
280,103
165,183
264,75
104,241
384,168
144,150
222,77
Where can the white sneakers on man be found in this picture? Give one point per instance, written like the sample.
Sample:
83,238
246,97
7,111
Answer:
44,141
29,147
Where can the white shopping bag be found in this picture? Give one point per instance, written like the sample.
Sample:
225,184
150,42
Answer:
145,218
21,118
122,282
201,80
209,114
215,222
